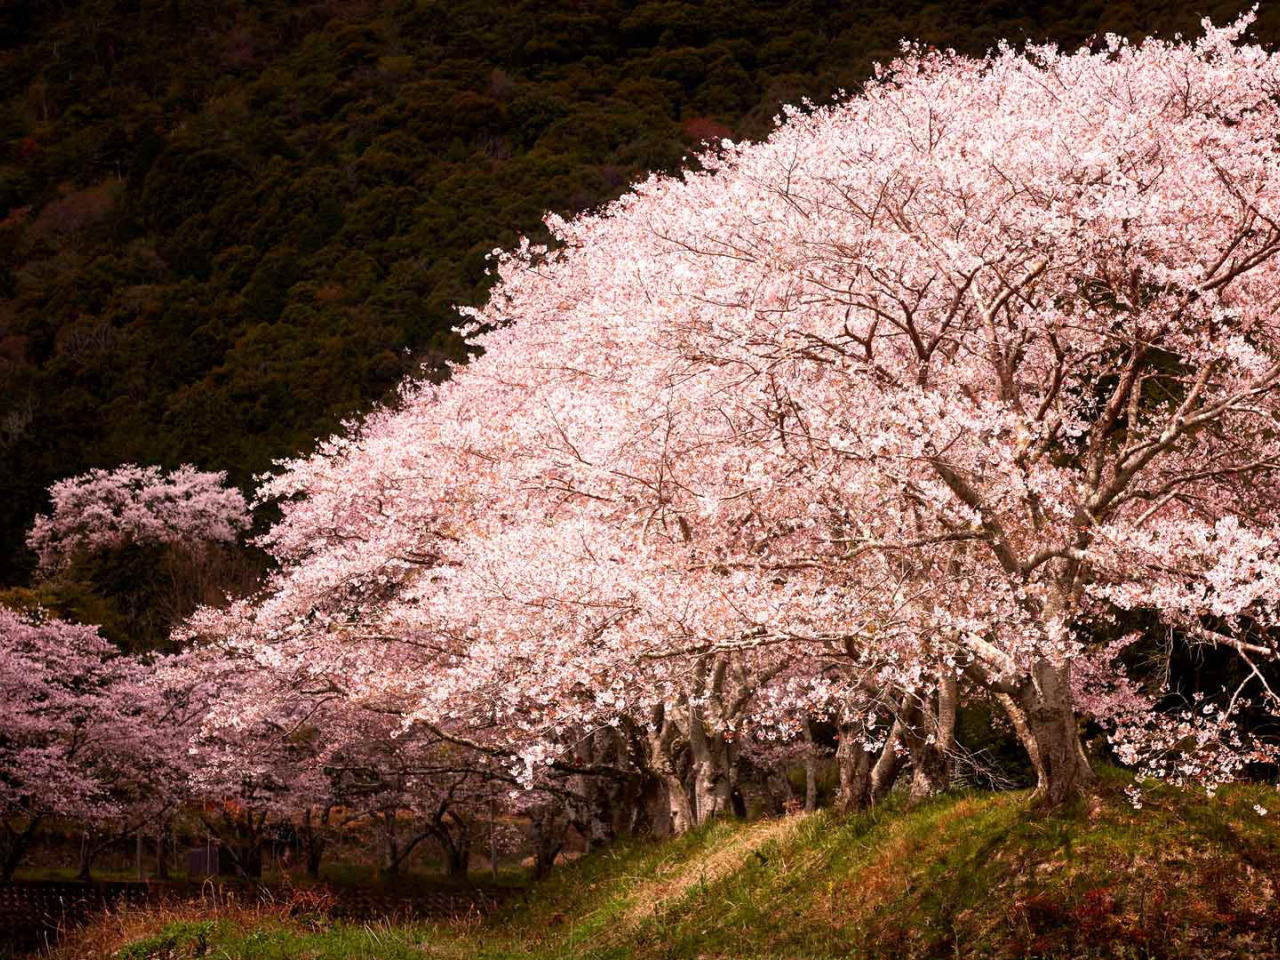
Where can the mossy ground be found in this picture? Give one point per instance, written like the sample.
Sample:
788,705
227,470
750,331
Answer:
966,875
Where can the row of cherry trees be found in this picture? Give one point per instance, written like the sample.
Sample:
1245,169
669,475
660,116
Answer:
926,401
920,399
120,744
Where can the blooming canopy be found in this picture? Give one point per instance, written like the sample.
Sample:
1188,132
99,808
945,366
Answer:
929,385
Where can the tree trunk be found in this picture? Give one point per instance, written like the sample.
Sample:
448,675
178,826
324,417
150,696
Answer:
315,854
642,806
810,769
929,734
649,808
456,866
85,872
396,849
885,772
252,865
679,805
594,810
712,773
16,843
853,761
1051,719
313,843
493,843
548,841
458,859
712,792
712,754
162,860
660,754
596,823
1022,727
391,842
241,840
457,848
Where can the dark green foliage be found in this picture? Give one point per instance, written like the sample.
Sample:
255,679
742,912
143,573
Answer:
225,226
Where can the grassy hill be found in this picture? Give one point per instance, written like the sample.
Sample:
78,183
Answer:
967,875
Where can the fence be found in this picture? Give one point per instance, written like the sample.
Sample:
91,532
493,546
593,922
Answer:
33,911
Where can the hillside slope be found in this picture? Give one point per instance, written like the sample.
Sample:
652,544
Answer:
968,875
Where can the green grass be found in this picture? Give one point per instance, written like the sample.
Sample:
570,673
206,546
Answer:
183,937
965,875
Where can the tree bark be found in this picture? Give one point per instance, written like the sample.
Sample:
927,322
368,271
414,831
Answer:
661,754
548,841
712,771
885,772
493,842
396,852
853,761
391,843
315,855
16,844
1065,772
1022,728
162,860
313,840
241,840
679,804
85,873
595,812
712,791
456,845
458,858
929,735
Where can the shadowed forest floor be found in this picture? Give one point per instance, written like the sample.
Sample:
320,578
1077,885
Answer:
966,875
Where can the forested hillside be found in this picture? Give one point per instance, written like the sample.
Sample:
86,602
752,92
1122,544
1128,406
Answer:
226,225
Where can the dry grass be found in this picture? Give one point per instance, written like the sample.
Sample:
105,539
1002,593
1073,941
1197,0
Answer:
111,931
651,897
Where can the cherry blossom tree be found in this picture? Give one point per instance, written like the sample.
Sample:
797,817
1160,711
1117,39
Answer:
142,763
1043,286
81,736
272,748
920,393
104,509
153,545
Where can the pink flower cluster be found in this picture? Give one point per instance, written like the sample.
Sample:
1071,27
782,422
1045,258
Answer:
103,509
83,733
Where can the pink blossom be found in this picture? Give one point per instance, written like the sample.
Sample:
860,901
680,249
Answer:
103,509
